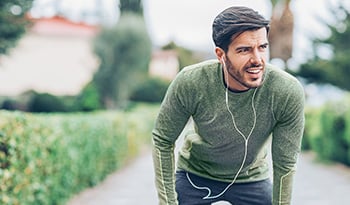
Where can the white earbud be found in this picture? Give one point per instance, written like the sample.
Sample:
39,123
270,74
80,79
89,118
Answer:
223,63
223,59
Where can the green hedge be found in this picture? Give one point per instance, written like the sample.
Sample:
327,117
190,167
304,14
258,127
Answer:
152,90
327,131
47,158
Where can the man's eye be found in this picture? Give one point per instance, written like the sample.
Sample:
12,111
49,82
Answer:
263,46
243,50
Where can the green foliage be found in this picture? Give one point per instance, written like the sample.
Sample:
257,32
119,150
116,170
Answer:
331,144
88,99
124,53
45,102
19,102
134,6
13,23
47,158
9,104
335,69
152,90
31,101
327,131
275,2
312,127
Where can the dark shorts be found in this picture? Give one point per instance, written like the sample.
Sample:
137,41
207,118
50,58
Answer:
192,190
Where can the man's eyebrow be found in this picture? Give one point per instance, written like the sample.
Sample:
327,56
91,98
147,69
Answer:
242,47
245,47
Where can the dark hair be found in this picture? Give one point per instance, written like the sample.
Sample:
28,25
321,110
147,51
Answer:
235,20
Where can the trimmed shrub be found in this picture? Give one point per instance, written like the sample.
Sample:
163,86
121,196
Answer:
88,99
152,90
46,158
327,132
9,104
45,102
312,128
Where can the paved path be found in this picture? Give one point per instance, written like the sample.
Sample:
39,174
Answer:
132,185
315,184
321,184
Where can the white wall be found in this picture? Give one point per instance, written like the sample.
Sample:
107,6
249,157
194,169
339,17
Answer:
59,65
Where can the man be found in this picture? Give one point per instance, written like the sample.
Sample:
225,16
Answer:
235,103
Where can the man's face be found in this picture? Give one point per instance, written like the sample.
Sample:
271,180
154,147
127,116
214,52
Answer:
245,60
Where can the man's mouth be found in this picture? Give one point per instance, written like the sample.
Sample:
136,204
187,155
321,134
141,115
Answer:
254,70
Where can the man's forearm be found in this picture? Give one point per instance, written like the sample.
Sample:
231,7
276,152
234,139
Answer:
164,167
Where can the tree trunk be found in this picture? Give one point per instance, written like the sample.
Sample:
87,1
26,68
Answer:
281,32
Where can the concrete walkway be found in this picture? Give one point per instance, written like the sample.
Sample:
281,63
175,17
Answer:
321,184
132,185
315,184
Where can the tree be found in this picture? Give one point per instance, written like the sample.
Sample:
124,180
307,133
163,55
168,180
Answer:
13,22
124,52
134,6
152,90
88,99
281,30
45,102
333,69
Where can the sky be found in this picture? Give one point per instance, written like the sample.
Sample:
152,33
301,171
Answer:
188,22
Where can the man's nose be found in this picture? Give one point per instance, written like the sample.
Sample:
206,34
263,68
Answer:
256,57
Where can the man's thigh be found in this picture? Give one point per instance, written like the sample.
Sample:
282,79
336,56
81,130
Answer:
252,193
192,190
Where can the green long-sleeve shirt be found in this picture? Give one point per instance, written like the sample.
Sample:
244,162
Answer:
215,149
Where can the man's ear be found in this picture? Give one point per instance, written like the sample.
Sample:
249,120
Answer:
220,54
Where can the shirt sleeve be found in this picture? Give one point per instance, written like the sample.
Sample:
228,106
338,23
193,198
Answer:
171,120
286,144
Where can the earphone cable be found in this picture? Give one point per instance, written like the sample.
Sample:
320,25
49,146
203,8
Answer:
246,139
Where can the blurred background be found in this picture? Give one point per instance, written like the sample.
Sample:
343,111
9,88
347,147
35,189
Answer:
73,49
105,65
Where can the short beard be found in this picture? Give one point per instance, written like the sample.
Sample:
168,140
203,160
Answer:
236,75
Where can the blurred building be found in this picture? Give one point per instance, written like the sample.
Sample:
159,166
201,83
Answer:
164,64
54,56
